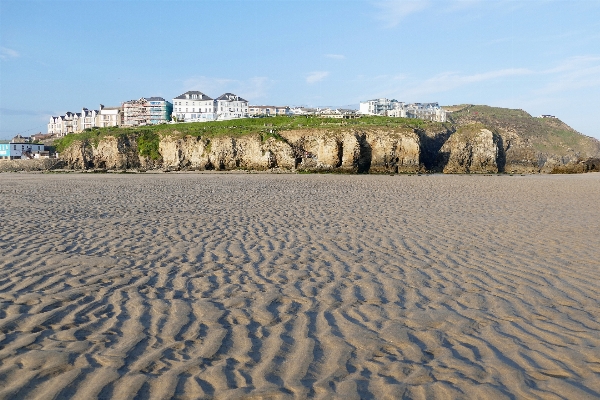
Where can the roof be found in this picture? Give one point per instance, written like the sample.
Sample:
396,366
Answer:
269,106
230,97
191,92
155,99
18,139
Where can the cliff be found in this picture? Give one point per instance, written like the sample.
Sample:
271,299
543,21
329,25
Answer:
477,139
528,144
350,150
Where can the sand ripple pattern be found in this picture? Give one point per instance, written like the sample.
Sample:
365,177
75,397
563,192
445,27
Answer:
292,286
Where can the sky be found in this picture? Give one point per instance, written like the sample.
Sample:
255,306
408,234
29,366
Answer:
541,56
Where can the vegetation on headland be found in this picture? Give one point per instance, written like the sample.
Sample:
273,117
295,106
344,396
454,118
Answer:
546,135
148,137
524,142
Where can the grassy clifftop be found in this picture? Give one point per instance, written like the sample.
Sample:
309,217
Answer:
240,127
544,135
523,143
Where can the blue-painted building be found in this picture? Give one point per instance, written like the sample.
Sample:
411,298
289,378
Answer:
160,110
12,151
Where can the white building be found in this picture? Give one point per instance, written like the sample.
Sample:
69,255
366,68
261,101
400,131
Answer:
86,119
304,111
230,106
338,113
378,106
64,124
193,106
426,111
110,116
269,110
395,108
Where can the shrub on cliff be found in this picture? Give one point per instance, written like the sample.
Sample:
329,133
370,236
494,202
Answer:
148,144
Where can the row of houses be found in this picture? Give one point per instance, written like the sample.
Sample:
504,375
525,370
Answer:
195,106
192,106
145,111
395,108
21,148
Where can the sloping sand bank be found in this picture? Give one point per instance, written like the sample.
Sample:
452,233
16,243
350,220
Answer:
293,286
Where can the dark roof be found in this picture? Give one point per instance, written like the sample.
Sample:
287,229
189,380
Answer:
191,92
263,106
155,99
230,97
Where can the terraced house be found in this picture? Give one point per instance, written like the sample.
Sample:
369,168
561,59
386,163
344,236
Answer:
195,106
77,122
230,106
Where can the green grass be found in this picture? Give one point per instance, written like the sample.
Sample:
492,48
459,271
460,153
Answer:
148,145
546,135
149,136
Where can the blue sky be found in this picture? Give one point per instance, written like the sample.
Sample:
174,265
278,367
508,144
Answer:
538,55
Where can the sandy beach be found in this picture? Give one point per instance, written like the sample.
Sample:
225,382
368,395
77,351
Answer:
264,286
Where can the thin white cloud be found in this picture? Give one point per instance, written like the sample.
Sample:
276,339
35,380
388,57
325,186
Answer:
6,53
316,76
250,89
392,12
446,81
574,73
335,56
459,5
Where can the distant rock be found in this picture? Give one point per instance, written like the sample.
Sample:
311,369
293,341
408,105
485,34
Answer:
471,150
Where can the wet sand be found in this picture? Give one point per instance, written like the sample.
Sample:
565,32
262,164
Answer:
299,286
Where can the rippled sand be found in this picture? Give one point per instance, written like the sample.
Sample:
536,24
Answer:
293,286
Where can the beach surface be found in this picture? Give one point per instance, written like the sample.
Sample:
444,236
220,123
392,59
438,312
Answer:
264,286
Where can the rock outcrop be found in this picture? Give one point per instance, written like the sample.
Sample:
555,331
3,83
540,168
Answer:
225,153
528,144
109,153
44,164
357,150
311,150
471,150
477,139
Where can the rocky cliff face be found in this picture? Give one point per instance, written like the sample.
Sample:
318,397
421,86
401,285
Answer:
44,164
311,150
110,153
356,150
471,149
478,139
225,153
528,144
